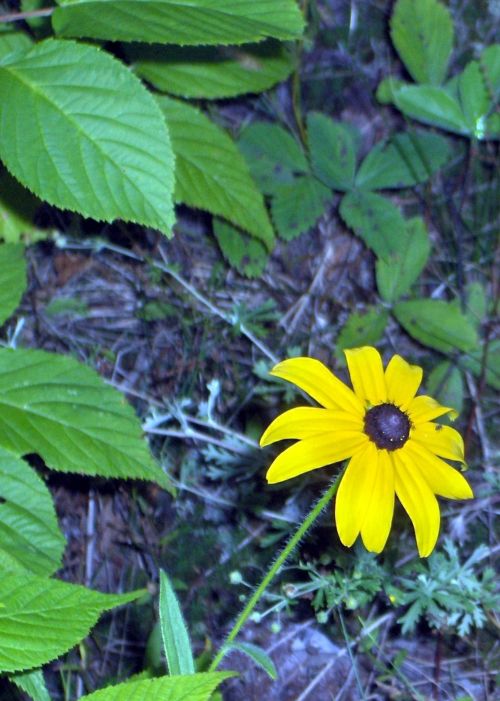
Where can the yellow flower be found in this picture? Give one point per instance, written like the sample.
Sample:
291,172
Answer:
389,434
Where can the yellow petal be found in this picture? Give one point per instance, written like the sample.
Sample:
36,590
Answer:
380,505
304,422
402,381
319,382
442,478
314,452
441,440
354,491
424,408
418,501
367,374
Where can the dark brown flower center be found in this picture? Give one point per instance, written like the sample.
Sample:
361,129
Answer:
387,426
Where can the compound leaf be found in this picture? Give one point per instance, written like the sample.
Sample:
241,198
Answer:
422,32
179,21
211,172
212,72
30,538
42,618
54,406
12,278
82,132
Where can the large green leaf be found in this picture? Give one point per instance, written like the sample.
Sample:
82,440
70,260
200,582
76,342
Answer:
12,278
174,633
81,131
212,72
332,150
396,274
274,156
297,206
242,251
42,618
179,21
422,32
405,160
30,538
62,410
437,324
194,687
32,683
431,105
211,172
12,40
374,219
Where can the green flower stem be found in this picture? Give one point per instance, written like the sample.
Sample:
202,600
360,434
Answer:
276,566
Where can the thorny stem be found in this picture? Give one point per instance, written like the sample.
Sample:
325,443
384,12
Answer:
276,566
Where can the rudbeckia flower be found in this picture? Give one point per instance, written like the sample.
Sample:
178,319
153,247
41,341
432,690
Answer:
389,434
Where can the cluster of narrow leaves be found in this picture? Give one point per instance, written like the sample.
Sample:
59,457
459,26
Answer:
82,131
61,410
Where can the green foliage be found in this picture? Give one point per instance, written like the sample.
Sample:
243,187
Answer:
375,220
32,683
211,173
297,206
62,410
212,72
361,329
102,147
256,654
175,22
42,618
30,538
333,152
244,253
397,272
176,643
17,209
437,324
449,593
486,361
446,384
196,687
422,33
12,278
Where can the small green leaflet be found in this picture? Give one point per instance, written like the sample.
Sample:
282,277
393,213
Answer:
298,205
474,98
30,538
374,219
274,156
211,173
195,687
256,654
179,21
242,251
83,133
174,633
364,328
42,618
407,159
62,410
437,324
431,105
333,151
32,683
446,384
422,32
12,278
17,210
212,72
396,274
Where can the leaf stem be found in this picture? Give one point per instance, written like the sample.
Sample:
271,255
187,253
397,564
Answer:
276,566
